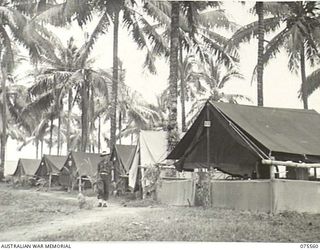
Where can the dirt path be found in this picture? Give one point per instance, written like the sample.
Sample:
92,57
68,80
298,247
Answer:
69,222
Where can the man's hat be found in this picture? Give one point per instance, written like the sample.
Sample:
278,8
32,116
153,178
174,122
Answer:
104,153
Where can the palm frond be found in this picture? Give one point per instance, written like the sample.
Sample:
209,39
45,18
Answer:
66,12
217,19
312,82
248,31
100,28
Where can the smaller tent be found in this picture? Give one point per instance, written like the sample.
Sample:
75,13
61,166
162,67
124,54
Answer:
26,168
79,164
50,167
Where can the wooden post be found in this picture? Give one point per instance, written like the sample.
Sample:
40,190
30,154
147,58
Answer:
80,184
257,170
50,180
272,194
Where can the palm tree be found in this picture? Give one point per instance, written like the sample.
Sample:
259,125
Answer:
16,27
299,38
110,11
215,78
259,9
173,77
68,72
136,113
190,27
259,29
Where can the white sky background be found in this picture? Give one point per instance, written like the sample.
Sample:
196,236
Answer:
280,85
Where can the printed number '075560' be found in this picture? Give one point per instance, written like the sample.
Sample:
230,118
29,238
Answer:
309,245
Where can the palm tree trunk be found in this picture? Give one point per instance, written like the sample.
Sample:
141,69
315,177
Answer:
99,133
115,78
173,78
303,77
120,126
92,141
69,119
51,134
84,114
4,121
182,91
41,147
59,130
259,7
37,149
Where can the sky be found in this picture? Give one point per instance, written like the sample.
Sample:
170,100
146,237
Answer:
280,85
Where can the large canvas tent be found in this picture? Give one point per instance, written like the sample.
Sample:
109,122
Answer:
78,164
50,166
235,138
26,168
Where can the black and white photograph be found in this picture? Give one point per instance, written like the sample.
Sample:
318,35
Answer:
159,121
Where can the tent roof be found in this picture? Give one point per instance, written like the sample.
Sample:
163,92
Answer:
153,147
125,155
281,130
86,163
54,162
29,166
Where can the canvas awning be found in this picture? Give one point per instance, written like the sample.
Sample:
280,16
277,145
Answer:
240,136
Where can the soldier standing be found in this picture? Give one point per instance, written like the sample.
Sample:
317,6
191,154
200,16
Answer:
105,176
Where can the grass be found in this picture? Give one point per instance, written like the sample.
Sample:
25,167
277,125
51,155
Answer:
150,221
197,224
18,208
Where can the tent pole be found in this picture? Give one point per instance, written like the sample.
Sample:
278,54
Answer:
257,170
208,138
272,193
50,179
80,183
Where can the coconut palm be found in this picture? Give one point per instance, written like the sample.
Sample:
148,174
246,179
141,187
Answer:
260,36
300,40
269,19
187,25
69,74
215,78
109,11
136,113
15,27
173,76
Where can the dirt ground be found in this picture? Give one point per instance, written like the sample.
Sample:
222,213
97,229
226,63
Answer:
29,215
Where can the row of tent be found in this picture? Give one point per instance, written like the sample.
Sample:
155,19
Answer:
64,170
229,137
